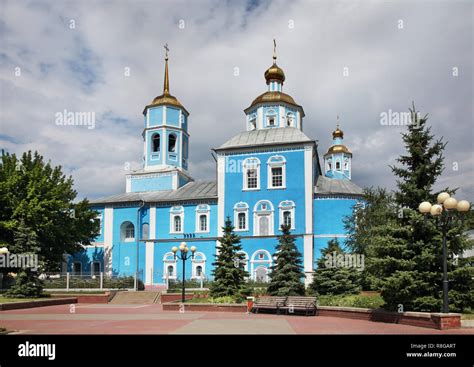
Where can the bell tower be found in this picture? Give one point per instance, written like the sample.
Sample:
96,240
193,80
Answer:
165,143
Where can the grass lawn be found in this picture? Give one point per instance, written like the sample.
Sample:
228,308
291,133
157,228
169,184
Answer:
353,300
10,300
467,316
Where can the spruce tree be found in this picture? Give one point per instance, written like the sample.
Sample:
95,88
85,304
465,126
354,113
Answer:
287,273
27,283
331,278
406,257
229,276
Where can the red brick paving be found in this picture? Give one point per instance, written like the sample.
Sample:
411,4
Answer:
115,319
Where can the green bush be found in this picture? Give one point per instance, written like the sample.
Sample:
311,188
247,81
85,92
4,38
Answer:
224,299
353,300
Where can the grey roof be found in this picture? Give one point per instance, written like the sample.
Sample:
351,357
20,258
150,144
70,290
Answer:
279,135
194,190
330,186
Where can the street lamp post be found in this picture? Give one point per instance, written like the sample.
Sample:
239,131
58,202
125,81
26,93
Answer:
183,256
444,212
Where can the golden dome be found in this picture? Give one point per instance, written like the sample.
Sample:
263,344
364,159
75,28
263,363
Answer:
274,96
274,72
338,148
337,133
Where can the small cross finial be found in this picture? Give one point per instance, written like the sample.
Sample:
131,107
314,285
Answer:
274,50
337,121
166,50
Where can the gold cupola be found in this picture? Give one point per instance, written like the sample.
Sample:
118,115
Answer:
166,98
274,73
337,137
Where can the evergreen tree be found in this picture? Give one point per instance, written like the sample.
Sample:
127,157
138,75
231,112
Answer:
27,283
287,274
229,275
406,256
333,278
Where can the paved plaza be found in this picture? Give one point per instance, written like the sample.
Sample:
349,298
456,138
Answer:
151,319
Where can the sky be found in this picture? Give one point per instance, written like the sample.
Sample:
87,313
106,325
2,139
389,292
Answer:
358,60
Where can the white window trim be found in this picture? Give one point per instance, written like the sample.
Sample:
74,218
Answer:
168,260
174,213
207,213
237,211
200,262
244,175
271,165
255,264
124,228
256,216
291,209
268,116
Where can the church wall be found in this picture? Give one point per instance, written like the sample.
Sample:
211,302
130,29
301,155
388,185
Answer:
163,182
328,221
294,187
156,116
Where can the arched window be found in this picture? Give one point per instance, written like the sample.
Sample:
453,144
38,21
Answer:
172,143
169,266
263,218
290,119
198,266
253,122
176,219
199,271
155,140
251,174
271,118
346,164
145,231
338,165
202,217
260,262
287,213
241,211
329,165
127,232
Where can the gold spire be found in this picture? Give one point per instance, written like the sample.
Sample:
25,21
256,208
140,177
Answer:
166,98
166,86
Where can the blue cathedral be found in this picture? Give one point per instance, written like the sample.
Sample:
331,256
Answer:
268,175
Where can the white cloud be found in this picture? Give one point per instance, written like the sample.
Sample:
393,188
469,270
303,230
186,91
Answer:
82,69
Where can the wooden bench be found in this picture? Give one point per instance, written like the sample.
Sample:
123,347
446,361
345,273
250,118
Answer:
269,304
295,304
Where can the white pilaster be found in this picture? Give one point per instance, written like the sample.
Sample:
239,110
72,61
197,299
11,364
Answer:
150,248
108,238
260,118
221,167
308,238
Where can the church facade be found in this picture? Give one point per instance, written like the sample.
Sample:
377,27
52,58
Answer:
268,175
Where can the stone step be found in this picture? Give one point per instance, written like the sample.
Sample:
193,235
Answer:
136,297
